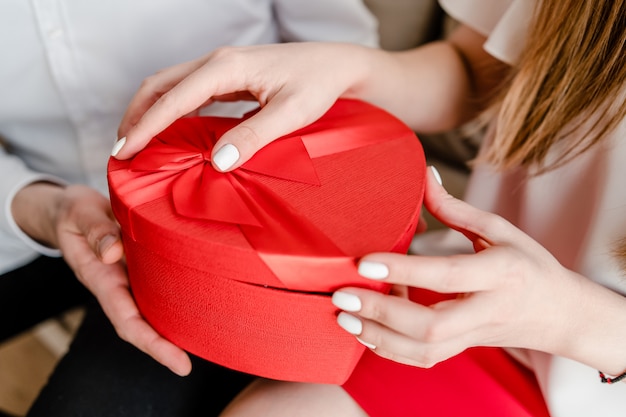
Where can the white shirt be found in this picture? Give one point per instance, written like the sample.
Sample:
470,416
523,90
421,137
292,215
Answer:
70,67
577,212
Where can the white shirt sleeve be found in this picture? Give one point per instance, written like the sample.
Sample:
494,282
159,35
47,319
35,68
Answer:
15,176
304,20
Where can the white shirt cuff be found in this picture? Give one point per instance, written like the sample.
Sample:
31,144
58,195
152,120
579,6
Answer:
31,243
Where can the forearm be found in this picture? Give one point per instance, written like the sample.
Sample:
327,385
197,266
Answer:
435,87
432,88
34,209
595,333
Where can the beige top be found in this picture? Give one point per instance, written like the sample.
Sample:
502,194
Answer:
578,212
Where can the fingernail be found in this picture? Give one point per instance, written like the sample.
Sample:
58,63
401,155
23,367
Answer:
367,345
118,146
180,371
346,301
105,243
373,270
436,174
226,156
350,323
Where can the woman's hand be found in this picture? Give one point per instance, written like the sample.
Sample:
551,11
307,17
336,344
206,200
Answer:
293,83
78,220
429,88
511,293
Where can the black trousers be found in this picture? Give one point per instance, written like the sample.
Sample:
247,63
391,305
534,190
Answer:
103,376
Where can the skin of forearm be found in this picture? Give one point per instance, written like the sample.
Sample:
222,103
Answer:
34,209
595,333
435,87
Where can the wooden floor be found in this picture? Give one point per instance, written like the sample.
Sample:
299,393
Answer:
25,363
27,360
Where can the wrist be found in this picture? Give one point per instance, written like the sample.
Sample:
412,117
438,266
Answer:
363,69
597,334
35,210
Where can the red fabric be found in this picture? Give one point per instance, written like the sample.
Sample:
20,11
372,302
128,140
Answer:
479,382
238,267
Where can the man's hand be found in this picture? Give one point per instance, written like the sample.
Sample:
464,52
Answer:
78,220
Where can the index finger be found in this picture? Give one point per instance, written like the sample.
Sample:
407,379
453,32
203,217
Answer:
442,274
151,89
183,97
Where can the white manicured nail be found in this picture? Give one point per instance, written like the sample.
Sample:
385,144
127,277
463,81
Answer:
118,146
436,174
350,323
373,270
367,345
346,301
226,157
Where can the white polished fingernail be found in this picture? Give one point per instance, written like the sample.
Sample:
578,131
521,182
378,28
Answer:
226,156
118,146
346,301
367,345
436,174
350,323
373,270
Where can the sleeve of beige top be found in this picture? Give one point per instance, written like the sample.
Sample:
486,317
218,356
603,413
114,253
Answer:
504,22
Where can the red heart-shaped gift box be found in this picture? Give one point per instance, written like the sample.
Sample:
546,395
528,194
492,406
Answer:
238,268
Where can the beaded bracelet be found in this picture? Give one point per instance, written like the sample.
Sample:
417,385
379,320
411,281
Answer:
606,380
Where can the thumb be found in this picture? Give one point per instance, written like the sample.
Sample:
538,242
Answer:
276,119
447,209
109,248
482,228
101,233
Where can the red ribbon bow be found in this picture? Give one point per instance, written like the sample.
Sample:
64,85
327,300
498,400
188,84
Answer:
199,191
